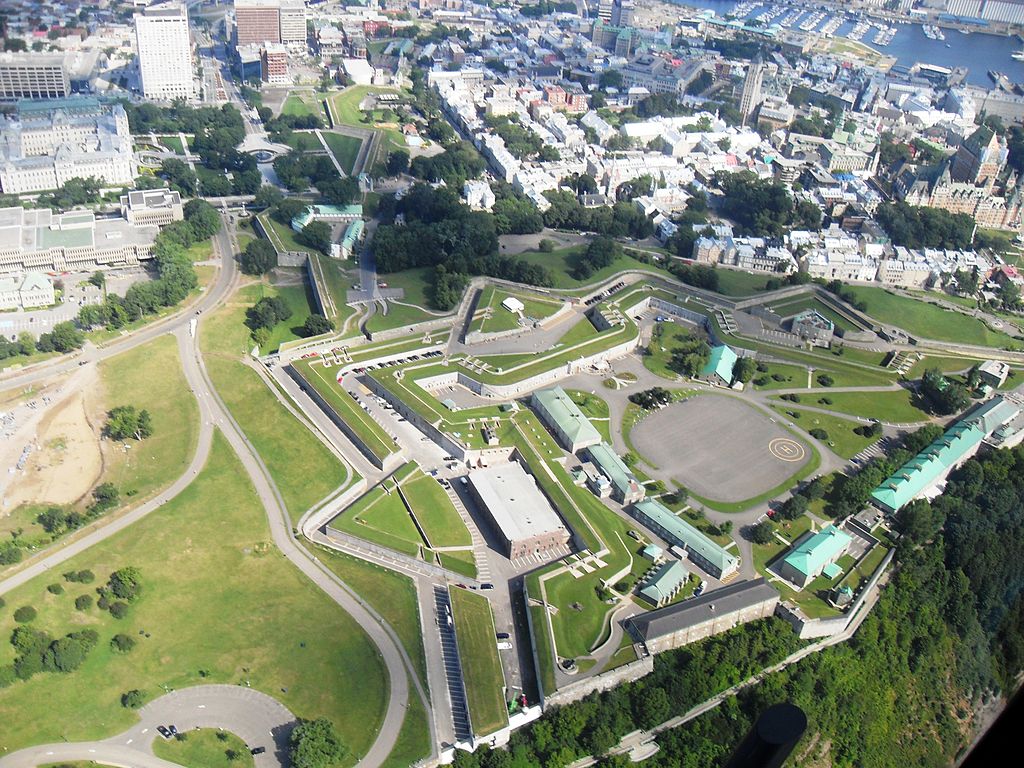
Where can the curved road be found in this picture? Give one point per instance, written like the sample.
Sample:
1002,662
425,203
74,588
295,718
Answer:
258,719
213,412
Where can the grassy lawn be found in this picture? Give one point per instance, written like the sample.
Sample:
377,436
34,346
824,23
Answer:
398,315
380,516
344,148
220,605
416,283
478,656
150,377
413,741
794,306
867,566
580,621
304,103
304,141
842,439
895,406
173,143
435,512
594,408
734,282
779,376
560,262
390,593
460,561
303,468
282,236
927,320
205,748
373,436
491,317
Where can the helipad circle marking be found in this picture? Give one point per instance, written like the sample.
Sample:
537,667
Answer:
784,449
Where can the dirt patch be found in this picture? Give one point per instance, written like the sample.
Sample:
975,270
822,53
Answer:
66,460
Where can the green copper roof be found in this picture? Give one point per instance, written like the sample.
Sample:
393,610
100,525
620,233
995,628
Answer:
815,552
720,363
560,409
946,452
683,534
606,460
668,578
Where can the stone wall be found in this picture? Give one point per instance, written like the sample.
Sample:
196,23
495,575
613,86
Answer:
605,681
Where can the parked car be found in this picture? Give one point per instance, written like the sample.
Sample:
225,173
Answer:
487,585
162,730
257,750
503,636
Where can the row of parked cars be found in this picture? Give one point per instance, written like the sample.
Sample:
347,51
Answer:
401,361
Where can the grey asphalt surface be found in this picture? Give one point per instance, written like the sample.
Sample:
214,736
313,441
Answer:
258,719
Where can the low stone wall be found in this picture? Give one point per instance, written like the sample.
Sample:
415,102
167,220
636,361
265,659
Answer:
426,326
605,681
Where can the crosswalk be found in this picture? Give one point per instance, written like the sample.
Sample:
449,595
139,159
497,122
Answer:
533,560
873,451
452,669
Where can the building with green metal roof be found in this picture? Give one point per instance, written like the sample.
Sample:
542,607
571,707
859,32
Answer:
626,489
353,235
572,429
813,554
701,550
956,445
719,366
664,583
330,214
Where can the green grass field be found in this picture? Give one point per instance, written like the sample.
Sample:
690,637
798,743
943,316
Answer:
390,593
220,604
560,262
416,283
895,406
306,142
927,320
282,236
304,103
735,282
344,148
205,748
373,436
491,317
398,315
173,143
842,439
299,299
380,516
150,377
303,468
414,739
478,656
795,305
434,511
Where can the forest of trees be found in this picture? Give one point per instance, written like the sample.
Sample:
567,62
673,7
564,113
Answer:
764,208
917,226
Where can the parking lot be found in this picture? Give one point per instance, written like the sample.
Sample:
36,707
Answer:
452,669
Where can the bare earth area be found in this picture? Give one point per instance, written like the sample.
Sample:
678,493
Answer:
66,459
719,447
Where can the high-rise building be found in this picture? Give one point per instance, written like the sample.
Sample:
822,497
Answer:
259,21
604,10
751,97
293,22
622,13
165,51
274,64
33,76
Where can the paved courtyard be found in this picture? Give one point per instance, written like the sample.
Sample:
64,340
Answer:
719,447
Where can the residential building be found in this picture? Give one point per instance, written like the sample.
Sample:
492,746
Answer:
164,46
478,194
698,618
813,554
701,550
151,207
45,143
76,241
931,466
718,369
354,233
571,428
520,513
33,76
663,582
625,488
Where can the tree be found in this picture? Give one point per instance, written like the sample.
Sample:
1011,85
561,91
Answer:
762,533
259,257
124,422
942,395
132,699
316,324
744,369
317,234
63,338
316,744
25,614
105,496
83,602
126,583
398,162
267,312
98,279
122,643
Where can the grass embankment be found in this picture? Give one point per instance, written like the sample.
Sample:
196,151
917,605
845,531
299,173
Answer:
843,441
303,103
372,435
344,148
492,317
220,605
205,748
561,262
281,235
895,406
927,321
478,656
795,305
303,468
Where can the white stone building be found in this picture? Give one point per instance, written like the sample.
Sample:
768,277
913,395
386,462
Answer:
164,46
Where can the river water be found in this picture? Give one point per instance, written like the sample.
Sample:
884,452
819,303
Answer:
977,51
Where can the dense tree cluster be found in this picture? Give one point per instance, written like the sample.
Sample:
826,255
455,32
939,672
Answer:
600,253
453,166
544,7
690,356
259,257
652,398
516,215
680,679
74,193
917,226
267,312
37,651
298,171
281,127
698,275
315,744
315,325
442,232
763,207
620,220
124,421
941,395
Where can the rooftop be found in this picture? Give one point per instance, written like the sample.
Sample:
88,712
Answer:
686,533
560,409
604,456
514,501
667,579
720,363
817,550
672,618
